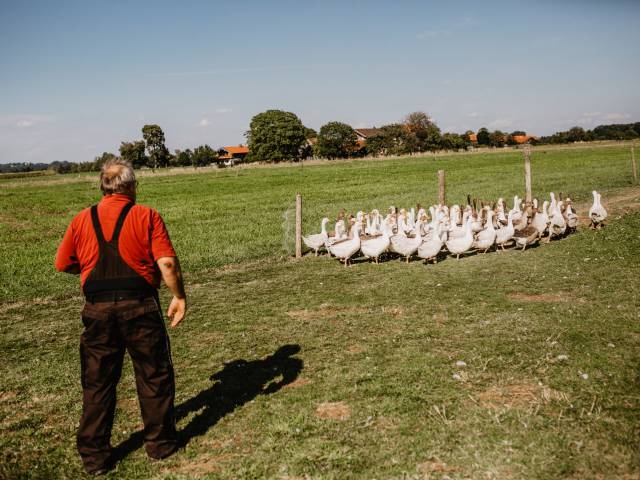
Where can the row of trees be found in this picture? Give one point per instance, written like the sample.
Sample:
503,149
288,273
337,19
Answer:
625,131
276,136
149,152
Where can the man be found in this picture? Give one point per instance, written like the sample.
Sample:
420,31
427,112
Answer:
121,249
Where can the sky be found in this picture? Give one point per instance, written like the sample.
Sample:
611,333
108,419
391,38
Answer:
79,77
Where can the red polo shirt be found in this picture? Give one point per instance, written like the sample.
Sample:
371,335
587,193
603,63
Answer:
143,239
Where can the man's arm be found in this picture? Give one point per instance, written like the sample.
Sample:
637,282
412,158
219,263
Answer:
172,276
66,260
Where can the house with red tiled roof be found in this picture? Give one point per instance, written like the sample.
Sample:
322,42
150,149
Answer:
364,133
520,139
232,154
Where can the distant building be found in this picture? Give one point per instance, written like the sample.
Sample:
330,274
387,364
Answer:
520,139
365,133
232,155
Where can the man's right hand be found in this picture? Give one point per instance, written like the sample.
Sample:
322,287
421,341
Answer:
177,310
172,276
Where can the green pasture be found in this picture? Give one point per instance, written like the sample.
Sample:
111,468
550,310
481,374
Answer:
223,217
500,366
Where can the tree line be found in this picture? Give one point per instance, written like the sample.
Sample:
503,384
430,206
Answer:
149,152
276,135
618,131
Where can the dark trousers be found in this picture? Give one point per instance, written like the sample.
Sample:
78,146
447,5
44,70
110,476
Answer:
111,328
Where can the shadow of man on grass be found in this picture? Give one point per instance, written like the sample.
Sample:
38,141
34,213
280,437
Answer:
239,382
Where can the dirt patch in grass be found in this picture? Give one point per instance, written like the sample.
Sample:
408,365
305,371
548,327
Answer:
547,297
434,466
8,395
333,411
518,395
353,349
561,297
199,467
299,382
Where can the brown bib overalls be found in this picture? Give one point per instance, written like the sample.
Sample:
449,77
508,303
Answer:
122,312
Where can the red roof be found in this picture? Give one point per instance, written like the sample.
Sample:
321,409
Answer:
523,138
237,149
368,132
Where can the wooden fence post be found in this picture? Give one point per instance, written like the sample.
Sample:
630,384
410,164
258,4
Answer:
634,168
527,176
441,188
298,225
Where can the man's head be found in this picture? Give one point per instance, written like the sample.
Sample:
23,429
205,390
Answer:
117,176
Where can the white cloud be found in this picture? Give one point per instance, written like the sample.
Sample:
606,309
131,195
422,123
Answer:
615,116
223,110
203,123
591,114
25,123
501,123
473,115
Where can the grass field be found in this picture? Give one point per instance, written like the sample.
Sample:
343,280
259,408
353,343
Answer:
304,369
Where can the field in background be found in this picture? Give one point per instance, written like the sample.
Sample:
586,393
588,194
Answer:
366,383
223,217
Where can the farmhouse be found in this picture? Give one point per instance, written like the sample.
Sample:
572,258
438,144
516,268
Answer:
365,133
231,155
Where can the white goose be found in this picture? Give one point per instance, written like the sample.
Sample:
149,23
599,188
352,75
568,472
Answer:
570,216
317,241
460,245
406,246
487,237
540,218
346,249
429,249
374,247
557,224
505,234
597,212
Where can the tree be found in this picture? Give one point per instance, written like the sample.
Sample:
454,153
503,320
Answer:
427,134
453,141
158,153
134,153
183,158
98,162
497,139
336,140
393,139
275,135
576,134
203,155
518,133
483,137
310,133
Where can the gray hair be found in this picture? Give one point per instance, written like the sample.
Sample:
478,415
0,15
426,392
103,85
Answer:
117,176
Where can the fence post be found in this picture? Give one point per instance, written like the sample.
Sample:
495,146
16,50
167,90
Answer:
527,176
441,188
634,168
298,225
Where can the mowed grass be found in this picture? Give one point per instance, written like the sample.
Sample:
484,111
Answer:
229,216
367,384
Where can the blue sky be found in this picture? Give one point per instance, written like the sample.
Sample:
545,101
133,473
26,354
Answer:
77,78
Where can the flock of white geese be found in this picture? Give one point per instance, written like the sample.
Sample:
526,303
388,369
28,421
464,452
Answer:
427,232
